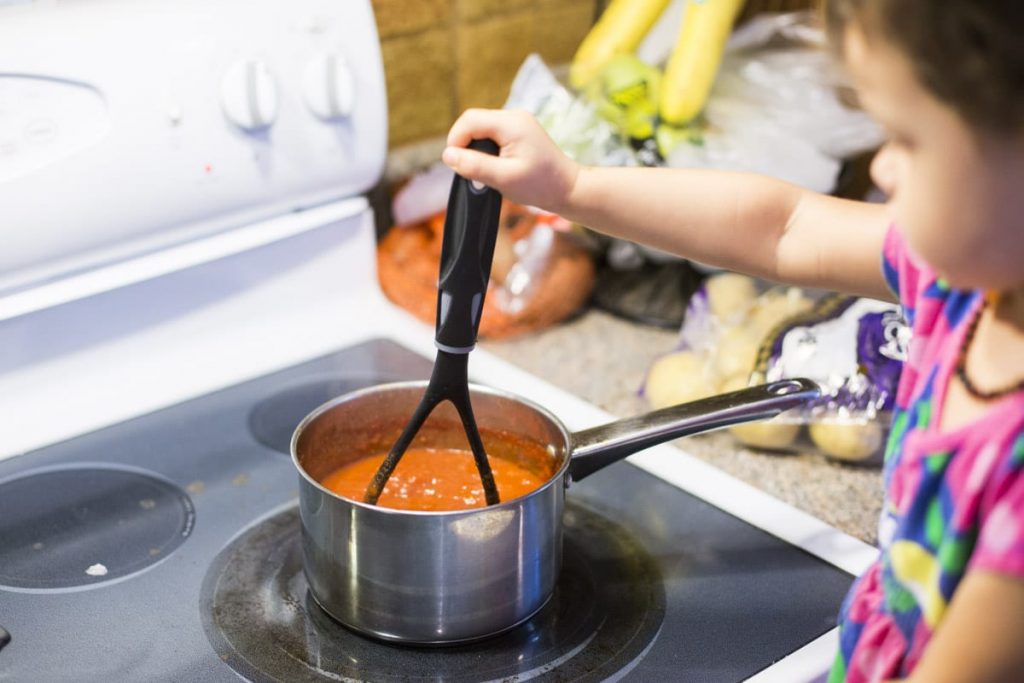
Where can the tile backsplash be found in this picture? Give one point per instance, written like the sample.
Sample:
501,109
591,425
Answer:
443,56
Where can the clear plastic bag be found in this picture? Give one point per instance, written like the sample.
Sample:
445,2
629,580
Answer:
543,270
572,122
738,332
776,109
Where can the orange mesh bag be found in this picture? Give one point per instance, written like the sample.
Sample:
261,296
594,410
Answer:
541,274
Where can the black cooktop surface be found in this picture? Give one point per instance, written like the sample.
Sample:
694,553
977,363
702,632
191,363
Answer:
166,548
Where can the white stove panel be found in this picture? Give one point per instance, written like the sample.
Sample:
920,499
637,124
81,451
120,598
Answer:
130,125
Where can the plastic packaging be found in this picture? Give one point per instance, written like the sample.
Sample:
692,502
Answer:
425,195
776,109
572,122
738,332
542,272
778,66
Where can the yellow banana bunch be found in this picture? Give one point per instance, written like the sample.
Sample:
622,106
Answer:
691,69
622,26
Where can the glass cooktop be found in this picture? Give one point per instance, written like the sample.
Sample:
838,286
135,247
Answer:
167,548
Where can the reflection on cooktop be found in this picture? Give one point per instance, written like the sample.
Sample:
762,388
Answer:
273,420
80,526
605,613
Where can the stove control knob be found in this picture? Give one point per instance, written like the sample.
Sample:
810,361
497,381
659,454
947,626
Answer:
328,86
248,95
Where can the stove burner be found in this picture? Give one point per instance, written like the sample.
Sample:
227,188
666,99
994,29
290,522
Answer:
86,525
605,614
273,420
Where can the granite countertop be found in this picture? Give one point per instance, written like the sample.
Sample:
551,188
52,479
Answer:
603,359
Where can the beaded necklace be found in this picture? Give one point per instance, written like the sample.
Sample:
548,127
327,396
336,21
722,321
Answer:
961,361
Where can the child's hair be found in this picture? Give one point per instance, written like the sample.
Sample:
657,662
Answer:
967,53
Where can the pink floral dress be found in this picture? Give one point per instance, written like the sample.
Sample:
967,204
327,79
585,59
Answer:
954,499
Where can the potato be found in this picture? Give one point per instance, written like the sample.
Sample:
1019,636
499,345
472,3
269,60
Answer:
767,434
847,441
735,352
730,295
776,306
678,378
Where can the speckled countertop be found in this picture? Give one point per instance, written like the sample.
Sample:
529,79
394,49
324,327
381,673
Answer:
603,359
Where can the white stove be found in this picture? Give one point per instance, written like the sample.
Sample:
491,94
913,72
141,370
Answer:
183,213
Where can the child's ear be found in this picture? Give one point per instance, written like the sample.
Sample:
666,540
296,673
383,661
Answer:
884,170
848,97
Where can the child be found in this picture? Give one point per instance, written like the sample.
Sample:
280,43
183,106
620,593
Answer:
945,600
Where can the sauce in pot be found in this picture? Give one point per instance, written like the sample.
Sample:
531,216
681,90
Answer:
439,479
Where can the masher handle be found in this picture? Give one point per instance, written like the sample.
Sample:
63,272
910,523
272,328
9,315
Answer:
467,250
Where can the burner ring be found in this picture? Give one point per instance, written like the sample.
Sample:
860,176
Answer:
78,527
605,614
273,420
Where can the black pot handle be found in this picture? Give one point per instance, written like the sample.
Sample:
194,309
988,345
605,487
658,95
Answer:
5,637
470,230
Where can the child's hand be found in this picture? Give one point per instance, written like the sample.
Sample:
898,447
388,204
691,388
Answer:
530,170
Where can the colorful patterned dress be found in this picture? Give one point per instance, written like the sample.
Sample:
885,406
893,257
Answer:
954,499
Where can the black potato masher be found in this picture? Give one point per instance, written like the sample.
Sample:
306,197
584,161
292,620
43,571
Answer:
467,249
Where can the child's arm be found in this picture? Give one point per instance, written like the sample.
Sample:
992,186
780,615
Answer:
743,222
981,637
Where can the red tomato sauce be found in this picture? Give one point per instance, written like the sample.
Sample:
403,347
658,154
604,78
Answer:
439,479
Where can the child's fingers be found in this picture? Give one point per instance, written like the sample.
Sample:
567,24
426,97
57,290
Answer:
474,165
496,124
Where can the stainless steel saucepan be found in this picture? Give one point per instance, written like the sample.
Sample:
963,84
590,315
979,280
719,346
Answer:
450,577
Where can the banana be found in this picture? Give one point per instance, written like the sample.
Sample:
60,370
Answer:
694,62
622,26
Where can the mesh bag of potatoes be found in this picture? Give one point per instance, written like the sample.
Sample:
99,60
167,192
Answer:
739,332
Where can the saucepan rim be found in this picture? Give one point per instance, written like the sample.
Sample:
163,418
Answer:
558,476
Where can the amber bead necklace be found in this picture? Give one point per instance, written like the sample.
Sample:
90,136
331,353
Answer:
961,361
